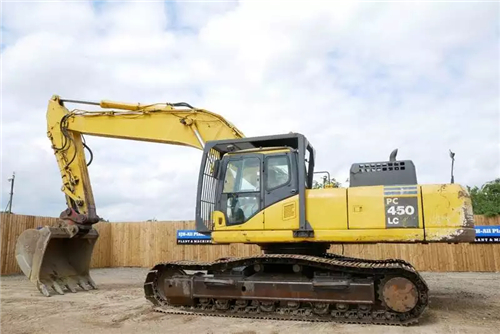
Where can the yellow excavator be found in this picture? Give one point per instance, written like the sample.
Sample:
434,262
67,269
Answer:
254,190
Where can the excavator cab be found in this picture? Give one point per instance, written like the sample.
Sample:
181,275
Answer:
255,173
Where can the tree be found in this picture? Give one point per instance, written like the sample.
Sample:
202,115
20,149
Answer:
326,184
486,200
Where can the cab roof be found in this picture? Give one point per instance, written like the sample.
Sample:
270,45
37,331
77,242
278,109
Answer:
291,140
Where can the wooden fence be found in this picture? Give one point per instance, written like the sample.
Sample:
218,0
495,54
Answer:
142,244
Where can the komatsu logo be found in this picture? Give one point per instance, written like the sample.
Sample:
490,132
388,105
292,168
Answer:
400,190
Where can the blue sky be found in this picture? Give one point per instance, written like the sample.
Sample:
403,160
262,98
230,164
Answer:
359,79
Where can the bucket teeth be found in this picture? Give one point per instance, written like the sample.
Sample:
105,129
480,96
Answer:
71,287
57,288
91,282
71,284
43,289
83,284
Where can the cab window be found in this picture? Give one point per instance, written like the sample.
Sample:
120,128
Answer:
278,171
242,189
242,176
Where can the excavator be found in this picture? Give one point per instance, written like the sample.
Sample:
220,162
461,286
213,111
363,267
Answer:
254,190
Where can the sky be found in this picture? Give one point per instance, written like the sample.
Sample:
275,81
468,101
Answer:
359,79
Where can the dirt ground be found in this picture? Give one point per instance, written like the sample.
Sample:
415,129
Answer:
459,303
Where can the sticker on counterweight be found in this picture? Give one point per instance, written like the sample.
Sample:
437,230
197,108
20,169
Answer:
401,212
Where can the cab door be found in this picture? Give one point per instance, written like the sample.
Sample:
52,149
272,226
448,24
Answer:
240,196
281,199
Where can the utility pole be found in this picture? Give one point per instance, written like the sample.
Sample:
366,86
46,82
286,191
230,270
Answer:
452,156
11,195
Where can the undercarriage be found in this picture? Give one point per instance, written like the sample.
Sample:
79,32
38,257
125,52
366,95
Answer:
322,287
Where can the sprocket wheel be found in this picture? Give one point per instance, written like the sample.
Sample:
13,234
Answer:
399,294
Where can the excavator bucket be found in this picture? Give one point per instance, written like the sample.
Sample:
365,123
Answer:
51,257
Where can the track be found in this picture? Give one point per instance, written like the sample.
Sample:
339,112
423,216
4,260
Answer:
371,273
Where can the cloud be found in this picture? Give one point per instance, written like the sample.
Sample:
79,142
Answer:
359,79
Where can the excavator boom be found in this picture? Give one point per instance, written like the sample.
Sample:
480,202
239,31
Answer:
161,123
59,256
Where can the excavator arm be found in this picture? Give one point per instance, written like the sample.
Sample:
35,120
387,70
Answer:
162,123
59,256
